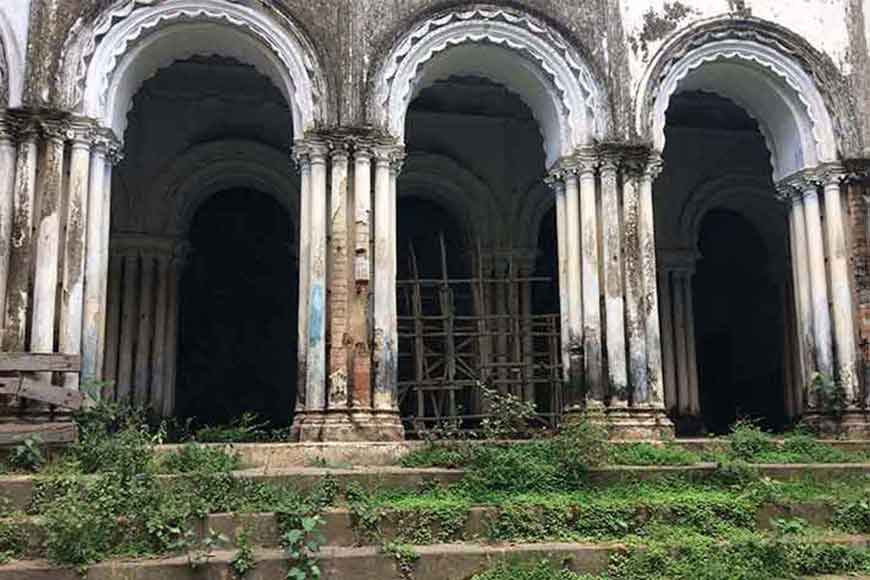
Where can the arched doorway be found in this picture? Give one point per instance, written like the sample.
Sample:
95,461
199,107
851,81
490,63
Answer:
738,326
237,330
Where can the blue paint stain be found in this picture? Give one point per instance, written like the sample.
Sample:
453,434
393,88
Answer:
315,315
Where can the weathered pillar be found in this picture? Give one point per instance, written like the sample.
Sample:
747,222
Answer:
48,239
21,248
97,251
145,322
591,287
801,276
614,304
692,355
575,287
7,201
645,417
75,244
338,279
682,349
176,267
386,340
315,392
360,301
558,187
113,323
161,322
841,293
818,280
129,318
633,285
669,365
301,156
651,394
114,155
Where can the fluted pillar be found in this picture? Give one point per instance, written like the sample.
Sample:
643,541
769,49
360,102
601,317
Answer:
575,286
841,294
614,303
338,279
590,267
21,247
558,187
360,301
315,388
7,202
75,245
304,164
634,320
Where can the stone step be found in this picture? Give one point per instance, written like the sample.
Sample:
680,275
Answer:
338,454
433,562
339,530
17,490
436,562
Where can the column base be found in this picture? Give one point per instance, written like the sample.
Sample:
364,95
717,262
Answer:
851,424
348,425
626,423
639,424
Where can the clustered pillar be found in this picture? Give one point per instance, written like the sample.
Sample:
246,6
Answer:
348,333
607,268
826,357
55,175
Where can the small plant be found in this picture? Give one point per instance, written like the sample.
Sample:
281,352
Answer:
508,415
748,440
829,393
28,455
580,444
243,562
789,526
247,428
301,545
405,558
203,552
193,457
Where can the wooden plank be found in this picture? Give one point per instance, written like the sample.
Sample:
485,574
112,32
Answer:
49,433
30,362
53,395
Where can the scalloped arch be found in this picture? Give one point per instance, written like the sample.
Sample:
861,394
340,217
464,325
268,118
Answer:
769,83
105,63
11,65
511,48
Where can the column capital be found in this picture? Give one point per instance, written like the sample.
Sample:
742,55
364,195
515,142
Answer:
55,130
831,174
135,244
82,132
339,148
585,161
798,185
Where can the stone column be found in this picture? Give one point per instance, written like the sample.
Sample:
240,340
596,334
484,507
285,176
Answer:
651,394
588,163
575,287
385,353
113,323
801,276
633,284
21,247
681,333
301,156
129,329
360,301
96,258
694,392
162,315
176,267
338,279
7,197
818,280
48,239
75,244
145,325
841,293
315,392
669,365
558,187
614,304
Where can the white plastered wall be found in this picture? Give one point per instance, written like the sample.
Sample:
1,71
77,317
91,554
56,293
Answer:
14,21
822,23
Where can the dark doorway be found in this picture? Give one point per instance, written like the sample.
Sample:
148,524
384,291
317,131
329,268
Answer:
237,330
738,325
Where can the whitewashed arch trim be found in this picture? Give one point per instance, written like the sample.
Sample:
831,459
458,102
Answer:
577,107
779,94
11,65
105,65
